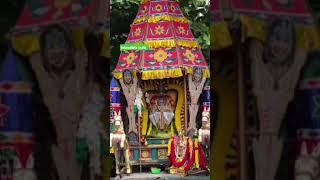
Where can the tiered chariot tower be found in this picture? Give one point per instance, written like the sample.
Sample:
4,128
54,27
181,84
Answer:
162,83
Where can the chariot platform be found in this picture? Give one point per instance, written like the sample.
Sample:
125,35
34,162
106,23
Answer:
162,176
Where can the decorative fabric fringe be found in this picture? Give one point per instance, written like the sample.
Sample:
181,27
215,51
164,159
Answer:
206,72
119,75
220,36
155,19
172,43
308,37
145,1
106,48
27,44
161,74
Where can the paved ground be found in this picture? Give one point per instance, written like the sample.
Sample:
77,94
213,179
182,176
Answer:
162,176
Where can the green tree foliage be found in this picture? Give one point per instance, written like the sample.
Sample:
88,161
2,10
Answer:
123,12
10,11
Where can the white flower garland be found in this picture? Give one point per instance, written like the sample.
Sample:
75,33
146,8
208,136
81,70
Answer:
91,128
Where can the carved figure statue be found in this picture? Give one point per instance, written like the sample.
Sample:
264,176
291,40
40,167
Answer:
62,77
204,131
275,70
138,103
119,143
307,166
130,89
195,83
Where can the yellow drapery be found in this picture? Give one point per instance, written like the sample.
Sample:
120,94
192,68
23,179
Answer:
220,36
27,44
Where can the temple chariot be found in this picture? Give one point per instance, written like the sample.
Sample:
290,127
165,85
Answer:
166,90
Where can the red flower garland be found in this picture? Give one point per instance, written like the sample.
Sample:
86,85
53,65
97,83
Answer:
191,161
202,159
173,156
202,162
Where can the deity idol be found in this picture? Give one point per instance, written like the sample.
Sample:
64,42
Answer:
204,131
61,73
161,106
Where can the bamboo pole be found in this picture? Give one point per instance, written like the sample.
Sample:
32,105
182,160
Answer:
139,136
241,115
185,103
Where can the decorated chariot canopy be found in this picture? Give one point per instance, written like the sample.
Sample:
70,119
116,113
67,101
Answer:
74,15
172,48
261,17
220,36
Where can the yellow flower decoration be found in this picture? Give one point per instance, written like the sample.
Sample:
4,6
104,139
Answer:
137,32
158,7
189,55
159,30
181,30
130,58
160,55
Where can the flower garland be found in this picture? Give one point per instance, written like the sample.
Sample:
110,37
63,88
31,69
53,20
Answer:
191,160
91,132
194,155
202,158
172,154
197,157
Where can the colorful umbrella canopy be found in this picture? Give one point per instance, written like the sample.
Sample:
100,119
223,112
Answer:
161,26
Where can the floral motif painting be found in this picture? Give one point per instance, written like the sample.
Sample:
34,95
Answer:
171,46
43,12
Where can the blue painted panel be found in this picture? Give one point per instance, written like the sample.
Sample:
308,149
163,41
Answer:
154,154
136,154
